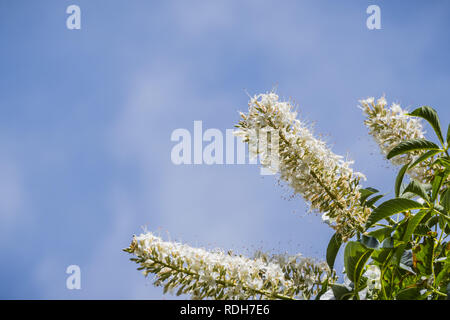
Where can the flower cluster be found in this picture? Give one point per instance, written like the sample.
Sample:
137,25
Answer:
373,275
389,127
307,275
322,178
219,275
369,292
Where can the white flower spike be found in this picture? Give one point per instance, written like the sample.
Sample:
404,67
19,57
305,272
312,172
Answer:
322,178
219,275
389,127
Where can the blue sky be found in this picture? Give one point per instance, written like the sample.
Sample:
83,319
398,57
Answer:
86,117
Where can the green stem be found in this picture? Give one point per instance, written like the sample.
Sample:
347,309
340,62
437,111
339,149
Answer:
383,289
438,292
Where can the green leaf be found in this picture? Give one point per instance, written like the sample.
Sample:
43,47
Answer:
445,271
437,183
408,195
341,292
333,249
448,134
418,189
439,209
381,233
324,285
431,116
370,242
355,257
421,230
423,157
408,294
423,256
399,179
365,193
381,255
448,291
411,226
369,203
391,207
388,243
412,145
442,222
400,229
432,221
413,222
443,217
445,162
406,261
445,200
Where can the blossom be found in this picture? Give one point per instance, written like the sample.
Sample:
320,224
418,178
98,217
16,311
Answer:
327,219
202,273
389,127
325,180
373,275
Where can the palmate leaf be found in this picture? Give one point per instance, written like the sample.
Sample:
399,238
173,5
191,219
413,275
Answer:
431,116
412,145
390,207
